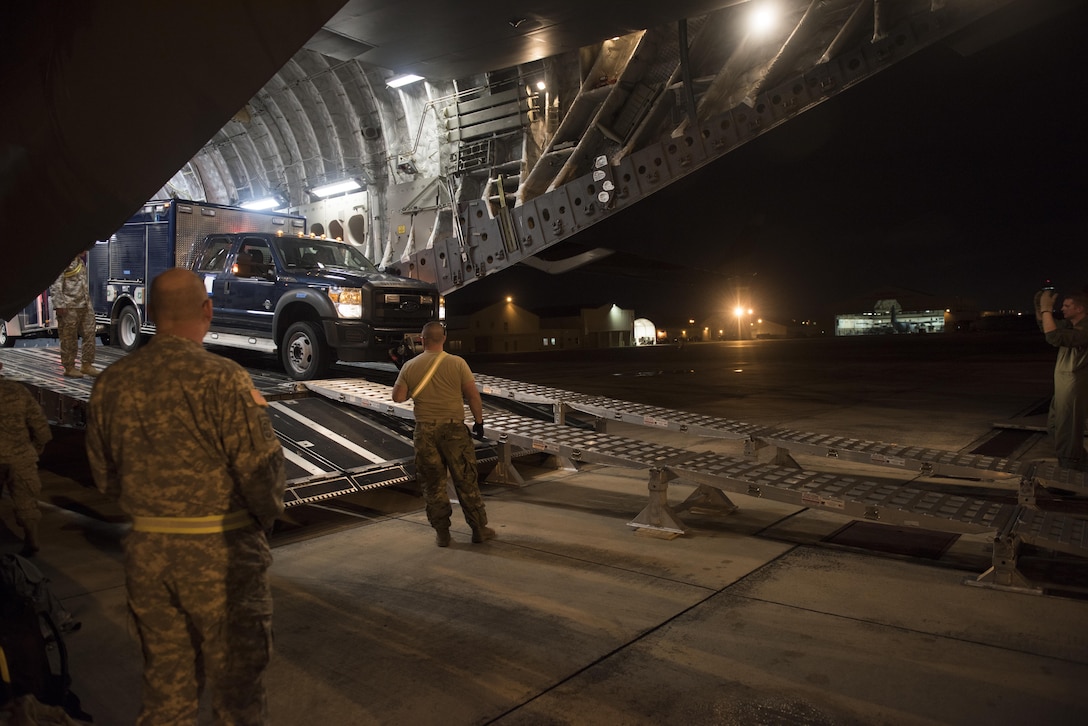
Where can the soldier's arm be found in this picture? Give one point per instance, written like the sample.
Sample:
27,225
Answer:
472,396
1065,335
255,453
40,434
106,477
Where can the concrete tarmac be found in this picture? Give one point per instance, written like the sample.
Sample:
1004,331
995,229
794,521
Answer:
572,617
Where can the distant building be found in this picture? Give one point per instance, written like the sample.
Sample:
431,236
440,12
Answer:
888,317
506,328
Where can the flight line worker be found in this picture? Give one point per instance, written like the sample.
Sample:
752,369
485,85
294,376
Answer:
181,437
1069,407
71,298
24,432
439,384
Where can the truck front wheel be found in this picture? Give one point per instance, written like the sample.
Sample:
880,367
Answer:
305,353
128,335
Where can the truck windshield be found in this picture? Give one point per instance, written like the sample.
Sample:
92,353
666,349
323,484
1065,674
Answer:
310,254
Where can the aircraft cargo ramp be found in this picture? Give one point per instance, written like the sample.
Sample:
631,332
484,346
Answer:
851,496
332,450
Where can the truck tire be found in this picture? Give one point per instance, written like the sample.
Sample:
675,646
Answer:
304,352
6,341
128,336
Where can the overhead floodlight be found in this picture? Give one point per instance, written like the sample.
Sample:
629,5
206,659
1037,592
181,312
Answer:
259,205
763,18
340,187
398,81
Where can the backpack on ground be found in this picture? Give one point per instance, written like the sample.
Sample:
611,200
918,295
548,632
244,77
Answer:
33,657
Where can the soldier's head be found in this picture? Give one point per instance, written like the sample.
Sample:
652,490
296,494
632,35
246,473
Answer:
179,305
1075,307
434,334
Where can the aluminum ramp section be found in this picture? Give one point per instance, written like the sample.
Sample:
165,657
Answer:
329,451
855,497
923,461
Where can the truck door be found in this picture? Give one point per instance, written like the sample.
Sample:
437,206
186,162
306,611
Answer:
211,265
249,288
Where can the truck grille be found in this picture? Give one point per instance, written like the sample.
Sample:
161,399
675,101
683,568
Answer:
406,307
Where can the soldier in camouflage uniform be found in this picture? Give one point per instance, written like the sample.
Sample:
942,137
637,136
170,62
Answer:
439,384
75,318
24,432
181,437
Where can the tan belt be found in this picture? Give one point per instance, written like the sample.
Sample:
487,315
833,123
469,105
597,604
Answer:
193,525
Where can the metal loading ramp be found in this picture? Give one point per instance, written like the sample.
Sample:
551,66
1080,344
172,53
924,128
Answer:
856,497
922,461
328,452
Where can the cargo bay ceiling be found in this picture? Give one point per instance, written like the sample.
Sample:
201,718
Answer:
528,124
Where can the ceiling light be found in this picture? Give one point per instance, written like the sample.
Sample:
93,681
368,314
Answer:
258,205
398,81
340,187
763,18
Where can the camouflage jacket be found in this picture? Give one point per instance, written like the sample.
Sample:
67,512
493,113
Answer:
24,430
70,289
176,431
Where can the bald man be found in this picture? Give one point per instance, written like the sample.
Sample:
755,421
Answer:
440,384
181,438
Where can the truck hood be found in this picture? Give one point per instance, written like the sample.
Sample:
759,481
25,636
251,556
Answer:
351,278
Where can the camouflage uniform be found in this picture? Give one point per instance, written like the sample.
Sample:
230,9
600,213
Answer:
71,293
1069,407
180,436
24,432
442,440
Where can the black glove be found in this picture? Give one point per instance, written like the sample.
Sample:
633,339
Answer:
478,430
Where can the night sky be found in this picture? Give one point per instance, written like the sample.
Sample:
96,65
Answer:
960,177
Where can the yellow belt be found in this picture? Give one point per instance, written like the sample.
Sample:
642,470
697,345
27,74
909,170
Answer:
193,525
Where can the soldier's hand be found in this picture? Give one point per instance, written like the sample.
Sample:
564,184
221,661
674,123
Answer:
478,430
1046,299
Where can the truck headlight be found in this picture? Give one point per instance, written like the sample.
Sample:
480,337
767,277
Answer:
348,301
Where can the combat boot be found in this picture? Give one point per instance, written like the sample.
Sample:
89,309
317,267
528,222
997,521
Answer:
482,534
89,370
71,372
442,537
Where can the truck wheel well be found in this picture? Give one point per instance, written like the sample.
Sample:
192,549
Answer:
292,314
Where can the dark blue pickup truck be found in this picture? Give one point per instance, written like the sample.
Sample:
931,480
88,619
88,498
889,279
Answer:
311,300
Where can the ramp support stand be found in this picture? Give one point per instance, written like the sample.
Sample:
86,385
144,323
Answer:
1004,574
505,472
708,499
658,518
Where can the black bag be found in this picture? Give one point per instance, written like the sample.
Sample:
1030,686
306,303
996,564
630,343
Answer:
33,657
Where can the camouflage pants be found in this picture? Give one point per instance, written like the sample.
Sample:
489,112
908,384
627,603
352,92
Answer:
73,324
20,478
448,446
203,608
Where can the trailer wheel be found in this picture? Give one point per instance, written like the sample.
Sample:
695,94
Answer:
6,341
305,353
128,335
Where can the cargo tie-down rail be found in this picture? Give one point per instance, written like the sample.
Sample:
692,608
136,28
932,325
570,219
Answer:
856,497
